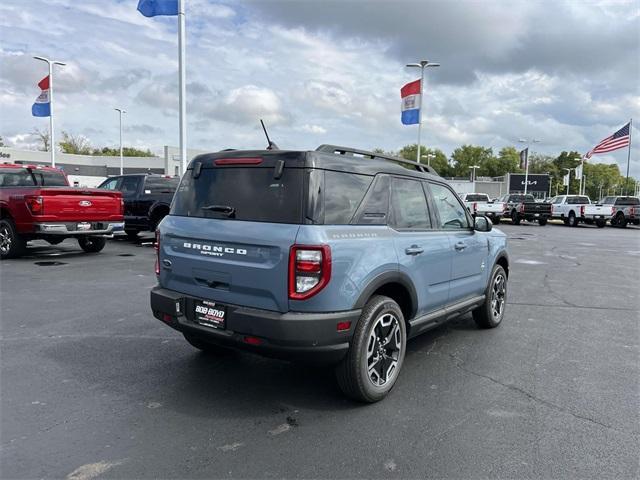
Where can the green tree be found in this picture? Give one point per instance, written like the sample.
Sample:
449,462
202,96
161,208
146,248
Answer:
562,162
2,142
438,158
77,144
126,152
468,155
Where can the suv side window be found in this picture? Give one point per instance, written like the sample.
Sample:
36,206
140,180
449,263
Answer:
110,184
409,205
375,207
129,185
343,192
452,213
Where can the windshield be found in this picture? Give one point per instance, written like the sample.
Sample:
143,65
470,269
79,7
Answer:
241,193
521,198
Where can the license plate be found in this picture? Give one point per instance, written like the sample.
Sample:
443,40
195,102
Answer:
84,226
210,314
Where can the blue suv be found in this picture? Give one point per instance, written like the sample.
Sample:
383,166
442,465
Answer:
335,255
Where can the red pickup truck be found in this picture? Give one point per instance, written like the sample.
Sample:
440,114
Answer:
38,203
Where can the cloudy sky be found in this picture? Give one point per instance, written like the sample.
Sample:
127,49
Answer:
567,73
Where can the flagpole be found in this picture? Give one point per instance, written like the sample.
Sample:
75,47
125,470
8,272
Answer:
51,134
628,156
182,85
420,110
52,142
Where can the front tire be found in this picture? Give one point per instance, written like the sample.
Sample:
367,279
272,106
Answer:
92,244
572,221
372,365
12,245
491,312
542,222
601,223
515,219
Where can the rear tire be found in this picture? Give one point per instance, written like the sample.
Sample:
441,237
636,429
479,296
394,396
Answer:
601,223
515,219
542,222
376,354
12,245
572,221
132,234
92,244
491,312
621,221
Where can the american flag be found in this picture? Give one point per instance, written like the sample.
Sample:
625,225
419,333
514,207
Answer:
620,139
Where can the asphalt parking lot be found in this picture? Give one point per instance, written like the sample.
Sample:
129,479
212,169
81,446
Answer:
92,385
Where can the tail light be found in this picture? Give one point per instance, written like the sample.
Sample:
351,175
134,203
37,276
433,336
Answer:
156,246
582,211
309,270
632,211
613,210
475,207
121,206
551,209
35,205
505,207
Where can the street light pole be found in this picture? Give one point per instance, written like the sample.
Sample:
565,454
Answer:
428,156
568,178
526,161
52,143
422,65
473,169
121,111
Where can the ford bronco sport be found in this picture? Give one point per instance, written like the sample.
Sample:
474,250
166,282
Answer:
337,254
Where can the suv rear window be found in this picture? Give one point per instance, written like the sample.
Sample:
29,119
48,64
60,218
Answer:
241,193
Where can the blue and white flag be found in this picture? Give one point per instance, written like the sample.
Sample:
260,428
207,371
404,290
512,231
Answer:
152,8
42,105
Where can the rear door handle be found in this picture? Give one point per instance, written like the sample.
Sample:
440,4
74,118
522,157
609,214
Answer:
460,246
413,250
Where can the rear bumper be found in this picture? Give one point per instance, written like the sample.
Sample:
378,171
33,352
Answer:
76,228
292,335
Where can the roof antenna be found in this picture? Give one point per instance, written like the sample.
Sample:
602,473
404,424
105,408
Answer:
272,145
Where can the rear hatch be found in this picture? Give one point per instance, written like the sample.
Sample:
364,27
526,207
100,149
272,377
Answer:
67,204
233,220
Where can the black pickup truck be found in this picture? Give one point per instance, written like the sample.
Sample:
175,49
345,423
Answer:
524,207
147,199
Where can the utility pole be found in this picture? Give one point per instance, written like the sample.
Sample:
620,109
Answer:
121,111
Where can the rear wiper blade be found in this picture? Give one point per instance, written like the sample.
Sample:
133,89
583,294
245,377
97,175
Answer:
226,209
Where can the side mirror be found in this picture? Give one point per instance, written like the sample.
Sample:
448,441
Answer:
482,224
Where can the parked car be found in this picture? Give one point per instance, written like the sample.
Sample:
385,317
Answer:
147,199
570,209
481,204
620,211
38,203
336,255
525,207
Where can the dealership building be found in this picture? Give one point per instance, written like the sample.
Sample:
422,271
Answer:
537,184
91,170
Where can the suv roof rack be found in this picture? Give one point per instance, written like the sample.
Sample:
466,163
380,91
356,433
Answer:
335,149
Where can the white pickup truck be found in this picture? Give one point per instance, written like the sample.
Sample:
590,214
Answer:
481,204
569,208
620,211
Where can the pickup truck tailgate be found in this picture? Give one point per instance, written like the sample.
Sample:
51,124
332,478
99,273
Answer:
73,204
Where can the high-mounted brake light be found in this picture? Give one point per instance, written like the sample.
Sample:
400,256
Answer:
35,205
238,161
309,270
156,246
